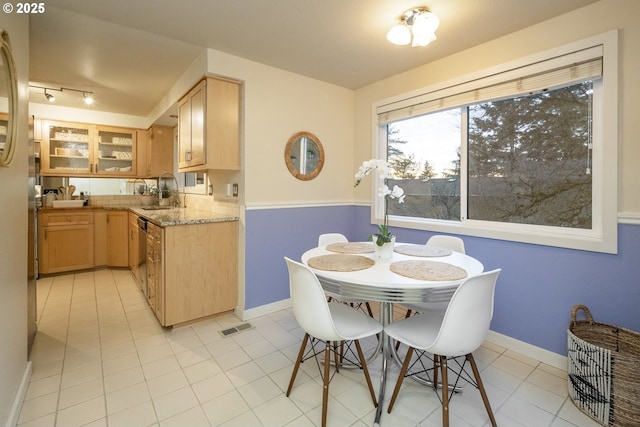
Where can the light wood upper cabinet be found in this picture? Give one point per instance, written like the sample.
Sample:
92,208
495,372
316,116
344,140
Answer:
155,151
115,152
209,126
77,149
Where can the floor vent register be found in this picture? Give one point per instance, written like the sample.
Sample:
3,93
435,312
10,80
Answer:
235,329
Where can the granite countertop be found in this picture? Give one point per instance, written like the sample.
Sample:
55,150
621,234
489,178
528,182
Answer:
180,216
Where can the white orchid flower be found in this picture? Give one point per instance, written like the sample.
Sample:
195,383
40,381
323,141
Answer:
384,191
380,166
396,193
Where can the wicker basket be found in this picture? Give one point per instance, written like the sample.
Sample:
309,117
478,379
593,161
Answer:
604,370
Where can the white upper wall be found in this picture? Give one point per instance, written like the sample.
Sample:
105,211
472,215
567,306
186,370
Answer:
591,20
277,104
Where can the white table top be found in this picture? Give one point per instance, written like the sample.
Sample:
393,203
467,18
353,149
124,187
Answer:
379,283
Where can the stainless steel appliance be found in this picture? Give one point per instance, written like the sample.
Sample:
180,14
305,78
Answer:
142,256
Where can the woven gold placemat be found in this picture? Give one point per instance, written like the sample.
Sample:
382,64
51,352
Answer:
351,247
340,262
428,270
422,250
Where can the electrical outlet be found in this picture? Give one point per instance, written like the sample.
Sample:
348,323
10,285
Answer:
235,190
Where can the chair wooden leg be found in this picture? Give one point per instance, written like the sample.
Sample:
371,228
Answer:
369,309
338,357
325,383
436,366
297,364
483,393
403,371
363,362
445,391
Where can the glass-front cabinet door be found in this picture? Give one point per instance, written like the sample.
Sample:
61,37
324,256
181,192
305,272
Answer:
66,149
75,149
115,151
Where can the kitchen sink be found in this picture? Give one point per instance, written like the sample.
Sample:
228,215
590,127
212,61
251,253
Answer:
155,208
68,203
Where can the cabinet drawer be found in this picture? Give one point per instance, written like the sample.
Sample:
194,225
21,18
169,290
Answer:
66,218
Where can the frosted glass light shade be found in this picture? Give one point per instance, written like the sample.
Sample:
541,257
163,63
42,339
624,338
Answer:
399,34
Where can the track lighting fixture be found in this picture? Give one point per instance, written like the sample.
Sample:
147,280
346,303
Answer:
49,97
87,96
88,99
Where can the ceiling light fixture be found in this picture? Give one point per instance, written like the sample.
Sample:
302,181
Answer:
88,99
87,96
49,97
417,26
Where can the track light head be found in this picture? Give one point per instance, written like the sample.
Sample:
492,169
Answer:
49,97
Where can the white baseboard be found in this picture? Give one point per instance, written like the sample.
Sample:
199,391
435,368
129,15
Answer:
545,356
12,420
263,309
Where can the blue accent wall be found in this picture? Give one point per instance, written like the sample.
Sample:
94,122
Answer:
536,290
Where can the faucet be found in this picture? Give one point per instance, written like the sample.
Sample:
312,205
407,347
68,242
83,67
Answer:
176,203
144,191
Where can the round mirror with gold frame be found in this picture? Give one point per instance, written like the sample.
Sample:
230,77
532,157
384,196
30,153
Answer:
304,156
8,101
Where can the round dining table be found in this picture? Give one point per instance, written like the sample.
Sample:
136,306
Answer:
415,273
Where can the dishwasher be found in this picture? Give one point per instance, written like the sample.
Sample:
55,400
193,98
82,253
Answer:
142,256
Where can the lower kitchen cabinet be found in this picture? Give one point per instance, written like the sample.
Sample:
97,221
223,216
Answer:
155,271
111,238
199,271
65,241
134,256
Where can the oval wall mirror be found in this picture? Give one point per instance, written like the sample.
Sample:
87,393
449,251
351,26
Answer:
8,101
304,156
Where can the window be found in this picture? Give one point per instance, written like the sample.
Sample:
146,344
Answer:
525,154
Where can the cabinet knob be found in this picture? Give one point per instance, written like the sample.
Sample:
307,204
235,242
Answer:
69,218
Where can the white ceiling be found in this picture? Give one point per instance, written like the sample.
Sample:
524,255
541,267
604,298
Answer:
130,52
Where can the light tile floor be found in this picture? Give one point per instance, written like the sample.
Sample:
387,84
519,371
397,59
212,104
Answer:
100,358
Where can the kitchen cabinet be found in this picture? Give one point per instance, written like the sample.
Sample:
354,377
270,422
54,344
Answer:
111,232
77,149
209,126
134,257
155,271
200,271
155,151
65,241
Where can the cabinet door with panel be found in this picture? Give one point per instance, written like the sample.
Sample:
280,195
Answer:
65,241
111,231
117,239
134,261
155,151
66,148
209,126
115,152
77,149
191,127
155,271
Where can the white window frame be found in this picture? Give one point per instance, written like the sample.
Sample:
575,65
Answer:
603,236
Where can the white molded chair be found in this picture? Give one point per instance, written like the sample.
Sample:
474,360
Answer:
458,332
326,322
327,239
